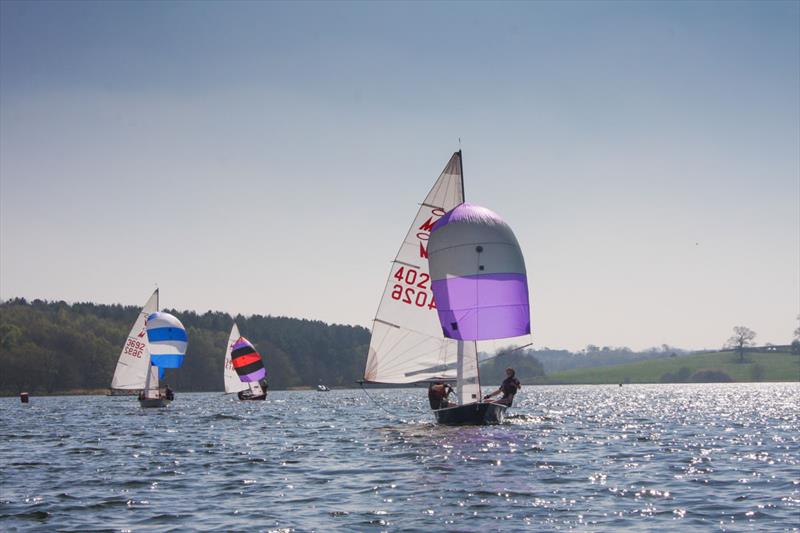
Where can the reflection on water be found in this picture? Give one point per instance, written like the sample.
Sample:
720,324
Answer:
694,457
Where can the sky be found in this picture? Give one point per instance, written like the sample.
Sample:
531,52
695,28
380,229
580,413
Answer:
268,157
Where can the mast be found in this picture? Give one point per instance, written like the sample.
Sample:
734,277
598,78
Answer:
461,166
464,354
150,365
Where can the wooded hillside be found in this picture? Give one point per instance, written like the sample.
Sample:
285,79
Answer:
55,346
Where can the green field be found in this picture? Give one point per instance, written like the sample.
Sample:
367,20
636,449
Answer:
757,367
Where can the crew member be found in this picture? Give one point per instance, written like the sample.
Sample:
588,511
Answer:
509,388
438,392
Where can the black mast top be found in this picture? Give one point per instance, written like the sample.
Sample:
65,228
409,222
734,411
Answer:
461,165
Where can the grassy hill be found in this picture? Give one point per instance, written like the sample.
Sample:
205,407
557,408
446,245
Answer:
690,368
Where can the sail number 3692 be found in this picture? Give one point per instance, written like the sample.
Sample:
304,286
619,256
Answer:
413,288
134,348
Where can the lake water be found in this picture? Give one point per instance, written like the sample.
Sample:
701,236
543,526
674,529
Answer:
606,458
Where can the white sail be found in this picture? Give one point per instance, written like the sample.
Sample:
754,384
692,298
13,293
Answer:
134,360
407,344
151,387
255,388
468,386
232,381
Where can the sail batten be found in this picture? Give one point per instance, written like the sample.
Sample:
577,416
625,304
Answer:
406,336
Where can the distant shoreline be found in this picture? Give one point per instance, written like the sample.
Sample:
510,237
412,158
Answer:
104,392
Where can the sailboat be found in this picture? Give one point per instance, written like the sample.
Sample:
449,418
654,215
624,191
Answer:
156,341
134,359
244,371
167,342
408,343
480,283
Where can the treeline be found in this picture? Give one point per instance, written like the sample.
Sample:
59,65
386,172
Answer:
56,346
554,360
524,363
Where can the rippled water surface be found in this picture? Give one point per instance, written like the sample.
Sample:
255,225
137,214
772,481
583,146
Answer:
652,457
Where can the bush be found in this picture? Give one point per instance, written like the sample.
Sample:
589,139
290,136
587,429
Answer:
757,372
710,376
667,377
681,376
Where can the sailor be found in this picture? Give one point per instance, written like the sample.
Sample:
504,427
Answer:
169,394
509,388
438,392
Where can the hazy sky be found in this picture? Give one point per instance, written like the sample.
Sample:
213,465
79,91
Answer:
268,157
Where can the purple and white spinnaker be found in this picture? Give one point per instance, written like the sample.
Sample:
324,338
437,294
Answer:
478,276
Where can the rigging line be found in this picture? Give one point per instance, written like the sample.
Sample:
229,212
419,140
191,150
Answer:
379,405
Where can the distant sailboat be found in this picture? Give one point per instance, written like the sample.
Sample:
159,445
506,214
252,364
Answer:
408,342
134,359
167,342
156,341
244,370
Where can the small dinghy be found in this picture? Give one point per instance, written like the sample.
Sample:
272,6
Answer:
410,343
133,362
322,388
244,371
167,343
144,356
480,283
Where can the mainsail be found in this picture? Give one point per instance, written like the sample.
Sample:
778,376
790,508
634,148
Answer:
407,343
232,381
134,360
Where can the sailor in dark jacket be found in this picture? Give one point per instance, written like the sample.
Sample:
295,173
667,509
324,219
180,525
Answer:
438,392
509,388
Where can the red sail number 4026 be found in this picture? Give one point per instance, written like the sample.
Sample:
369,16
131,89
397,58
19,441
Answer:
416,290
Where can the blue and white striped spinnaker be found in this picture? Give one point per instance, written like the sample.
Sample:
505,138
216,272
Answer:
168,340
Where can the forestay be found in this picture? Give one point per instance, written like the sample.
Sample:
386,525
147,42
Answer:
407,343
134,360
232,381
